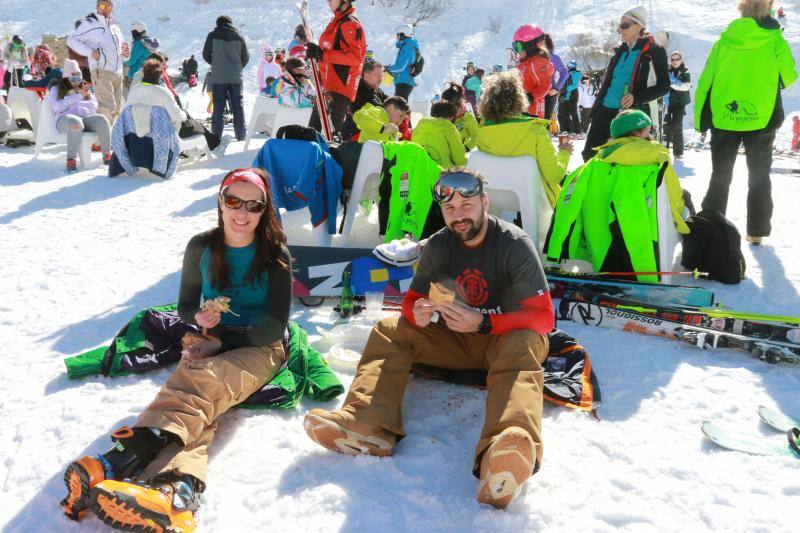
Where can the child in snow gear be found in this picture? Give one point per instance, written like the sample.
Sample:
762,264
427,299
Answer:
16,61
143,47
636,77
739,98
439,136
558,81
75,110
267,67
294,89
238,353
679,98
505,131
466,270
408,55
534,67
470,79
341,51
297,47
466,123
571,96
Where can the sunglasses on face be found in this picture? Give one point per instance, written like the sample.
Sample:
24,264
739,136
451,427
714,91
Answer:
448,185
519,47
675,59
625,25
75,79
234,202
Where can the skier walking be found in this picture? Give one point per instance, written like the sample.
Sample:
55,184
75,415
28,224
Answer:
571,96
226,51
739,99
401,70
679,98
534,67
636,77
341,51
100,40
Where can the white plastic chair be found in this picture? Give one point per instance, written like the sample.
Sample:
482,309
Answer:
365,184
287,116
422,107
515,185
668,236
24,104
262,116
47,133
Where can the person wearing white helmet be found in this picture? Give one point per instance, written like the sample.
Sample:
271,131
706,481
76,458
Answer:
143,47
407,55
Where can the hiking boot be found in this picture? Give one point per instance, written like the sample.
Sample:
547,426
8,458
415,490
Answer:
505,467
165,505
107,157
72,166
80,478
753,240
341,432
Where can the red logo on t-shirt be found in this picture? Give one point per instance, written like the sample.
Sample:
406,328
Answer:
472,288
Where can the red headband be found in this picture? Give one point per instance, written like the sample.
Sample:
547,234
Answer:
244,174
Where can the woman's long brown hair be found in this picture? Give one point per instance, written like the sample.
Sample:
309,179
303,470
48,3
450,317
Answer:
269,240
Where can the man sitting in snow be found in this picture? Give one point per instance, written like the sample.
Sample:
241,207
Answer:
479,300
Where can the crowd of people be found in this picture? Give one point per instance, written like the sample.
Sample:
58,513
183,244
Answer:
500,328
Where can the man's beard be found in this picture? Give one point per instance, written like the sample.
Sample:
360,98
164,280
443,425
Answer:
471,232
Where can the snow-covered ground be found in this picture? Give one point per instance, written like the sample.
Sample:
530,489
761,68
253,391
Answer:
82,253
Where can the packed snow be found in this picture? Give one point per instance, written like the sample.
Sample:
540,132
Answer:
82,253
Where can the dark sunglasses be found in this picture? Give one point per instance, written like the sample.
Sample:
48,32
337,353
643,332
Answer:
234,202
451,183
75,79
625,25
675,58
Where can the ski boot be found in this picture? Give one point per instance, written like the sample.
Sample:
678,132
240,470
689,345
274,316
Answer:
72,166
133,450
166,503
794,439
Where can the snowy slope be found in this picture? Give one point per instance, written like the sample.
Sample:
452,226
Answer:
82,253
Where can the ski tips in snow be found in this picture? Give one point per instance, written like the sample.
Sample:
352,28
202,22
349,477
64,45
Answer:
755,445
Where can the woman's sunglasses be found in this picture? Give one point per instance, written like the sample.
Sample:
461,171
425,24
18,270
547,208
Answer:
449,184
625,26
75,79
234,202
673,59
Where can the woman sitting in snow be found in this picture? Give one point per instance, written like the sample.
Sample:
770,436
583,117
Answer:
74,107
246,259
294,89
506,132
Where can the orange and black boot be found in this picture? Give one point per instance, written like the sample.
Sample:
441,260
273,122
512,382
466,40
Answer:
166,504
133,450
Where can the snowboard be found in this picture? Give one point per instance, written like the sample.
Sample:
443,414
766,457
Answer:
743,442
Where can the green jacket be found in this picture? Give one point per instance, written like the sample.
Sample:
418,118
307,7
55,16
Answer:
411,174
440,139
527,136
370,120
467,127
745,70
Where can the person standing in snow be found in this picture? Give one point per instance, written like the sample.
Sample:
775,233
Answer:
100,40
469,83
739,99
143,47
679,98
189,67
267,67
16,60
226,51
535,67
636,77
479,299
246,259
571,96
407,51
585,101
557,82
341,52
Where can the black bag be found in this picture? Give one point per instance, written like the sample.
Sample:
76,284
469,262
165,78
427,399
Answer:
416,67
714,246
297,132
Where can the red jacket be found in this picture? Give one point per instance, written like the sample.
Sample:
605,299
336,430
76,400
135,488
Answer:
536,72
343,58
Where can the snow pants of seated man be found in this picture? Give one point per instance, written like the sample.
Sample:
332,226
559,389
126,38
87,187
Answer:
195,395
73,127
514,382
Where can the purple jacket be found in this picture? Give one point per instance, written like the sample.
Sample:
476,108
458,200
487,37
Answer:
72,104
559,71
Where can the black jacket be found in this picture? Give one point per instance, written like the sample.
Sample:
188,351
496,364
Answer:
226,52
651,56
682,98
365,95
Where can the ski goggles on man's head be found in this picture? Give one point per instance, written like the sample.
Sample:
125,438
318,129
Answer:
466,184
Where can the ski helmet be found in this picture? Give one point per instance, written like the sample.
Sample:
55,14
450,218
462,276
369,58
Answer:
572,64
528,33
405,29
140,27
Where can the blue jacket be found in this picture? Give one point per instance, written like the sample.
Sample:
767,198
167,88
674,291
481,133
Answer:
303,174
140,51
165,143
561,70
406,55
573,83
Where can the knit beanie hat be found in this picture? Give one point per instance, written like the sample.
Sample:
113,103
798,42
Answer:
71,67
629,121
637,14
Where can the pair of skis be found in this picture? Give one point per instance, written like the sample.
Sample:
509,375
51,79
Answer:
742,442
322,103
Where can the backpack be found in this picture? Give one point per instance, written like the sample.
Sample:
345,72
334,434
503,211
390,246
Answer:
415,69
297,132
714,246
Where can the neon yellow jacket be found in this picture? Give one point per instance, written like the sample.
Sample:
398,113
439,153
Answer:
527,136
440,139
638,151
467,127
370,119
